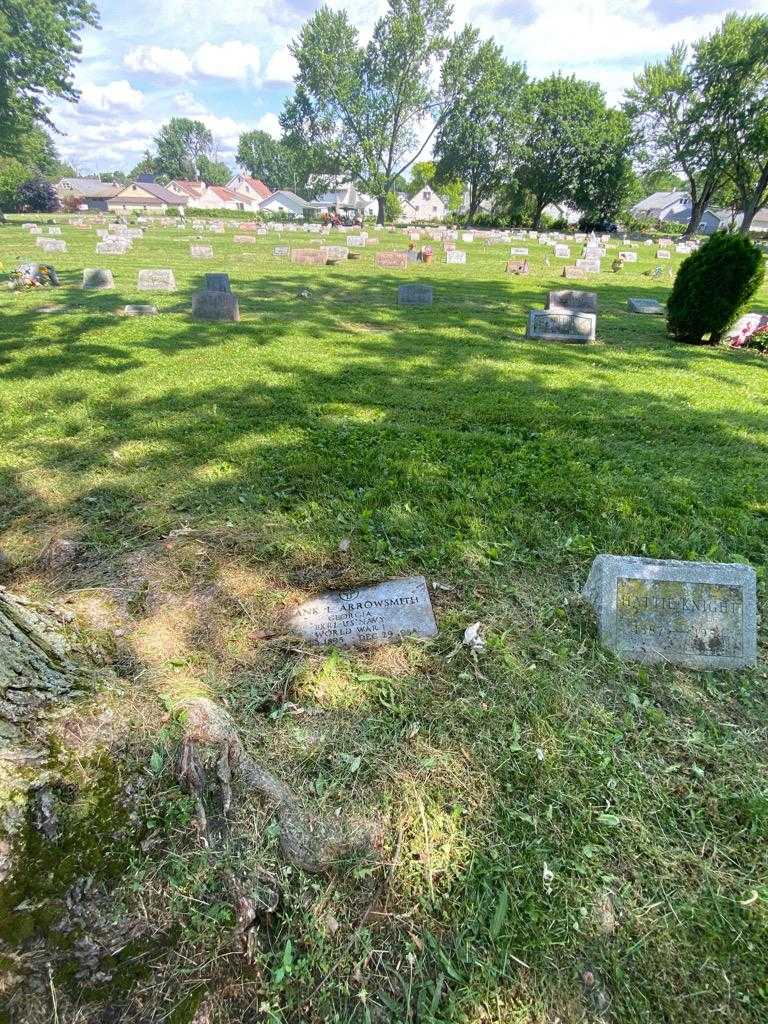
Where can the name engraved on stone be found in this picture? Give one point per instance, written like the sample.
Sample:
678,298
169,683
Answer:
392,260
368,616
216,283
157,281
570,300
695,614
563,252
414,295
207,305
651,307
555,325
281,250
456,256
663,254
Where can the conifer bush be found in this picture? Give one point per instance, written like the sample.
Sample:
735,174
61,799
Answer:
712,286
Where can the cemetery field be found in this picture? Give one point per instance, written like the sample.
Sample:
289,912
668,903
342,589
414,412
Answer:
544,833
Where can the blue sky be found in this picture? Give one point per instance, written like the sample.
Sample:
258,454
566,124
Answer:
229,64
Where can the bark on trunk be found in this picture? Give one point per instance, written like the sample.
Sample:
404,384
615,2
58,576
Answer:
38,669
540,204
382,201
697,211
751,207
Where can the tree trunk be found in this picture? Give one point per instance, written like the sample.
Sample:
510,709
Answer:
751,206
540,204
382,201
37,670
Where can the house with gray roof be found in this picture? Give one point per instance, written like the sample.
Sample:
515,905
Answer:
285,202
674,206
91,192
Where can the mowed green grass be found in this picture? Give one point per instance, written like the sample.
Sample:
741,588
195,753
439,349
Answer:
438,441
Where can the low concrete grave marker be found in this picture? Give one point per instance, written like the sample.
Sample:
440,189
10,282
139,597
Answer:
97,278
665,243
216,283
334,253
518,251
355,242
563,252
139,310
367,616
467,236
414,295
392,260
51,244
281,250
627,257
54,231
663,254
309,257
455,256
745,327
201,252
574,301
574,273
561,325
591,266
156,281
209,305
518,267
113,246
650,307
699,615
244,239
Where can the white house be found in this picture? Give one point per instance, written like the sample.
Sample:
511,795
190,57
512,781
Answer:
674,206
251,188
562,211
286,202
212,197
730,220
428,205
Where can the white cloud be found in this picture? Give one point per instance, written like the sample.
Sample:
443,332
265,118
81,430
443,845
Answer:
156,60
114,96
281,69
270,124
187,104
233,61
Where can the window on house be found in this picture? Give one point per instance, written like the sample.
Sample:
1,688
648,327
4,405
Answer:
427,194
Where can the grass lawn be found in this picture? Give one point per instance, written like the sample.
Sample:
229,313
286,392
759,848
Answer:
557,836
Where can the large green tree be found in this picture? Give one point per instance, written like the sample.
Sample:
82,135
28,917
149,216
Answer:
267,159
574,148
480,138
368,105
675,131
39,47
180,146
731,73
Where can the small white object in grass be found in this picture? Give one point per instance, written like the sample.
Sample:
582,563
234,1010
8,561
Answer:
539,754
548,878
438,585
472,638
344,544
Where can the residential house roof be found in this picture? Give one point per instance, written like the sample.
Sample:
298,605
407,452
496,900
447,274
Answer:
88,188
264,191
226,194
291,196
658,202
192,188
162,194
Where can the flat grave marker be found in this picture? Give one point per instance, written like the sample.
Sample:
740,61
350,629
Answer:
563,252
518,267
627,257
561,325
520,250
572,273
700,615
455,256
650,307
367,616
309,257
414,295
281,251
201,252
138,309
392,260
663,254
